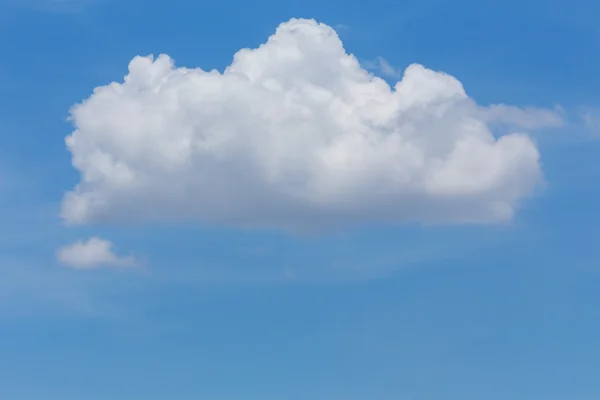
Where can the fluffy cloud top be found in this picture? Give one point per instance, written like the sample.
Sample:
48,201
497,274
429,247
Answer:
295,133
93,253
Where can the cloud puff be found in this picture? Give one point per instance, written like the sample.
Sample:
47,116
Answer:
296,134
93,253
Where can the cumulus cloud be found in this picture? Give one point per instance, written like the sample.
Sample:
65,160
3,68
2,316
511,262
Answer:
93,253
296,134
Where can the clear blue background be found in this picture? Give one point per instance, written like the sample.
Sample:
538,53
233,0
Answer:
457,313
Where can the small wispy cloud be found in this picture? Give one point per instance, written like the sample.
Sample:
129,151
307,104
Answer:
93,253
530,118
339,28
591,120
381,66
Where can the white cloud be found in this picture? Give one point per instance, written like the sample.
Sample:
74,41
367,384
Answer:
93,253
296,134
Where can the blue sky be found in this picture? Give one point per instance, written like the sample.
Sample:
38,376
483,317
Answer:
379,307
